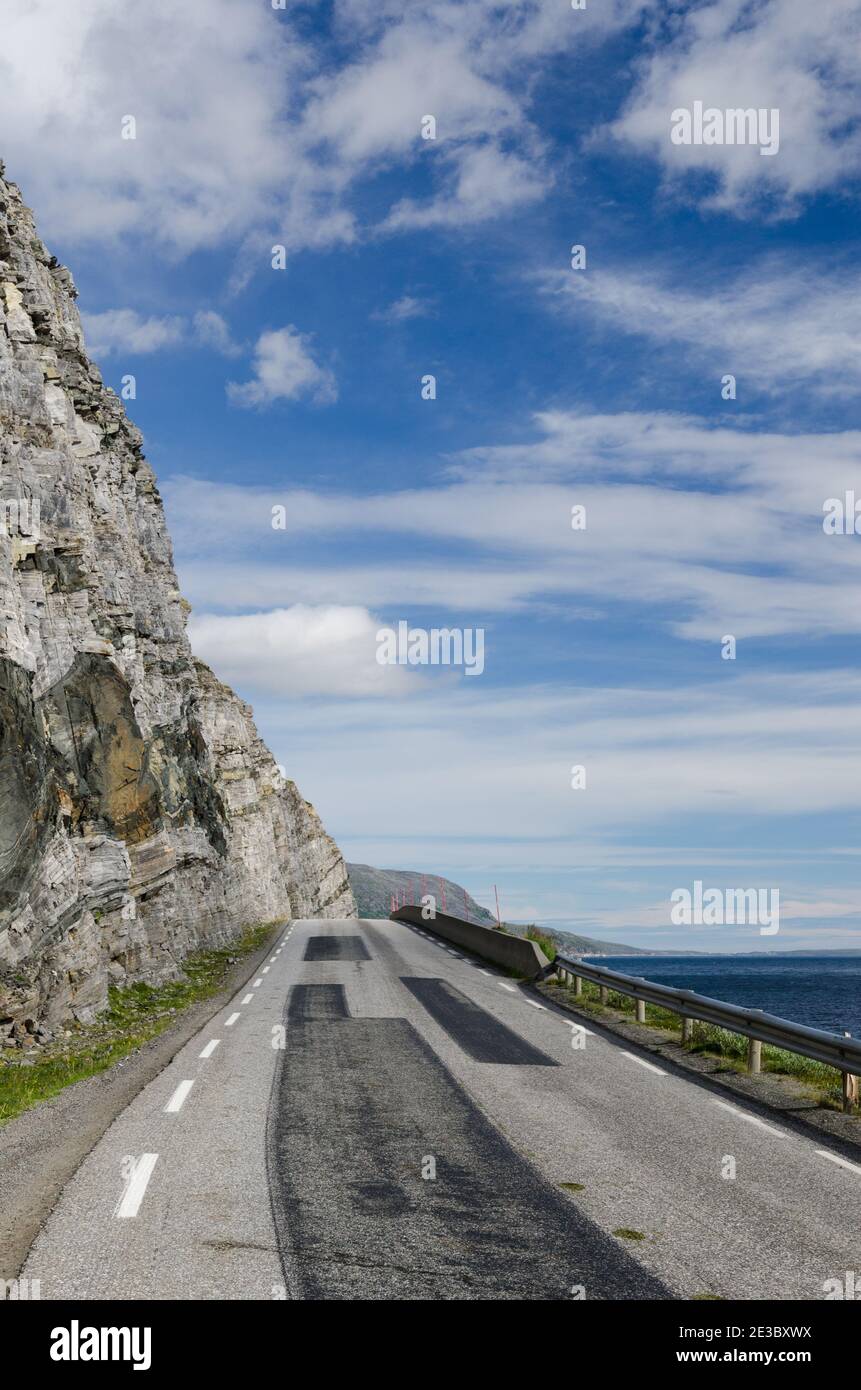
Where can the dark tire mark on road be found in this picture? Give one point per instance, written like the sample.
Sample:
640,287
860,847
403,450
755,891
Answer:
481,1036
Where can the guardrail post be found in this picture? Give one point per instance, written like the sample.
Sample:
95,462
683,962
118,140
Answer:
561,975
754,1055
641,1010
687,1029
850,1087
603,995
578,985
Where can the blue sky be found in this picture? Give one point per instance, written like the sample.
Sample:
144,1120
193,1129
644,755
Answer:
300,387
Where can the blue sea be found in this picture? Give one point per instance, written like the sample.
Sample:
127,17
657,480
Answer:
821,991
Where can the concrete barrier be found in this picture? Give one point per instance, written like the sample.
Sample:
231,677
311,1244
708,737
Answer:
514,952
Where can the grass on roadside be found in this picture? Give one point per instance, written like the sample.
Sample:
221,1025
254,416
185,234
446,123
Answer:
546,943
823,1082
134,1016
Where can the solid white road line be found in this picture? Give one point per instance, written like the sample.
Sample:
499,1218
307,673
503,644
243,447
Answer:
131,1199
248,998
510,988
232,1019
178,1098
210,1047
843,1162
648,1065
751,1119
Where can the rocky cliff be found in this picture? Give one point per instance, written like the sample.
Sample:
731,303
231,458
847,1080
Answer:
141,816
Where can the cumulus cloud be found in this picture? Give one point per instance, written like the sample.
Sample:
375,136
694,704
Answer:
244,128
212,331
284,369
797,57
124,330
297,651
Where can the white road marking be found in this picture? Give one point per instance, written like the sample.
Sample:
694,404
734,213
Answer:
129,1203
257,984
210,1047
232,1019
751,1119
486,972
248,998
578,1027
843,1162
510,988
640,1063
265,970
536,1006
178,1098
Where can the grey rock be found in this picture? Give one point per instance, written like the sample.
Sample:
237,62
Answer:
141,815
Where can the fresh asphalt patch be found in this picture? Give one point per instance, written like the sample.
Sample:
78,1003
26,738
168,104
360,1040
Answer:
387,1182
336,948
481,1036
317,1003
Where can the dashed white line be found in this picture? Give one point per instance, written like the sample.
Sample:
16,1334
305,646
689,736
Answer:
486,972
751,1119
248,998
578,1028
536,1006
232,1019
210,1047
843,1162
640,1063
129,1203
265,970
257,984
510,988
178,1098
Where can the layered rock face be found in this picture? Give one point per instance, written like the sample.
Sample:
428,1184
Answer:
141,816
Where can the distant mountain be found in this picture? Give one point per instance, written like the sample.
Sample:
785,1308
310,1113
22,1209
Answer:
373,889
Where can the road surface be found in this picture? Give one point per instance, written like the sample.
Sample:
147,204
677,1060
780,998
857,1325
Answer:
379,1116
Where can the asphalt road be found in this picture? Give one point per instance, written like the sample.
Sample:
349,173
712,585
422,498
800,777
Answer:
377,1116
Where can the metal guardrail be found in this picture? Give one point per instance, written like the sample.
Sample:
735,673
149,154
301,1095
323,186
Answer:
842,1053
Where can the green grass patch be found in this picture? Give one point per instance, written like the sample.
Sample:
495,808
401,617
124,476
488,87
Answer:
545,943
134,1016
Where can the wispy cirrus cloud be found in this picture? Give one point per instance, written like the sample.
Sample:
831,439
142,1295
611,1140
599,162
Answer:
767,325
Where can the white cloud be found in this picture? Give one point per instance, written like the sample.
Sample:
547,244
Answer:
245,129
284,370
777,324
798,57
407,307
298,651
484,181
213,331
124,330
712,530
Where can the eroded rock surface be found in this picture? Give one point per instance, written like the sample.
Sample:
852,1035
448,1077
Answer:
141,816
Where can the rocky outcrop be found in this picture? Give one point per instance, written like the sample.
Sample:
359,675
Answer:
141,816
